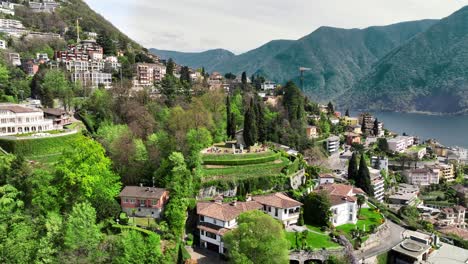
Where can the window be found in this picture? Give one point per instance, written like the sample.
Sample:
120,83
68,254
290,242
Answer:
210,235
285,211
276,211
202,218
126,200
154,202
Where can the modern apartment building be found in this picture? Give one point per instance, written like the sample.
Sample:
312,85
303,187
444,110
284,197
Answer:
333,144
400,143
146,74
422,177
92,79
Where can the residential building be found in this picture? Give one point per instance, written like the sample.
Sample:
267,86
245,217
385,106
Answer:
143,201
326,178
351,121
333,144
334,120
417,152
447,172
42,35
422,176
85,50
13,28
366,121
352,138
47,6
8,8
452,217
146,74
378,184
379,163
400,143
344,202
93,79
215,81
216,218
268,86
311,132
14,59
42,56
30,67
405,194
58,116
19,119
3,44
280,207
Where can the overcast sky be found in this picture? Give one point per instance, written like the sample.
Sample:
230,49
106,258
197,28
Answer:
241,25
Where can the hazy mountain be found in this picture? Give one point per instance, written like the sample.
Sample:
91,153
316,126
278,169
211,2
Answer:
337,57
428,73
195,60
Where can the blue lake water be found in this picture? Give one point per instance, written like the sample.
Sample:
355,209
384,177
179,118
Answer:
448,130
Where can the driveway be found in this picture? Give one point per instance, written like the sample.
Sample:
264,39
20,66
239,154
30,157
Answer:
204,256
394,238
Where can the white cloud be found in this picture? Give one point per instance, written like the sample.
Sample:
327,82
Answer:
241,25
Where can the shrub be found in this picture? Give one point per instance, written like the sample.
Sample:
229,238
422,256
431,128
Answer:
244,161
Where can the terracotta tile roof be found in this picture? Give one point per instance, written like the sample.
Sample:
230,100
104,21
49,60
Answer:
54,111
463,233
340,189
226,211
142,192
18,109
340,193
278,200
326,175
212,228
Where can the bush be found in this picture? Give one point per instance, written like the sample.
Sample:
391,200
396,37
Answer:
39,146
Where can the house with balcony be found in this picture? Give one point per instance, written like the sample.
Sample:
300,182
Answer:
19,119
58,116
280,207
143,201
216,218
344,202
311,132
422,176
333,144
378,184
452,217
400,143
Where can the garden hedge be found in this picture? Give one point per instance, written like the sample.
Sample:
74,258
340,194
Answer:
37,146
235,162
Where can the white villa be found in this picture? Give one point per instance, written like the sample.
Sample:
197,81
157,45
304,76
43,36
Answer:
216,218
344,202
18,119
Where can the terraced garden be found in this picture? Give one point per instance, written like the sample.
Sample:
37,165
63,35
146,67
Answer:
232,169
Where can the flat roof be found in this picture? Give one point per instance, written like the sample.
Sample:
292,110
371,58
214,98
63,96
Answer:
448,254
411,248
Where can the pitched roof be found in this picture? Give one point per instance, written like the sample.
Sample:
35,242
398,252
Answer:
212,228
142,192
340,193
278,200
54,111
18,109
225,211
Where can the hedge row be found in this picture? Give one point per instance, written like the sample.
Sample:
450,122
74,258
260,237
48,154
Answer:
247,161
39,146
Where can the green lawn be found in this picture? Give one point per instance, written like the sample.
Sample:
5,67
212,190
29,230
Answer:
367,217
219,157
314,241
142,221
315,228
272,168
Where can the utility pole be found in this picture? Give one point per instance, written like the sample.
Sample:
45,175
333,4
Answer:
302,70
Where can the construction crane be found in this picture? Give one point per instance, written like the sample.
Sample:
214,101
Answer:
302,70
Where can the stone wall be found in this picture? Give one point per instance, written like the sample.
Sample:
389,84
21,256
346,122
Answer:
212,191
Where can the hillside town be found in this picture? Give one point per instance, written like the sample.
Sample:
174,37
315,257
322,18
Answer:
168,164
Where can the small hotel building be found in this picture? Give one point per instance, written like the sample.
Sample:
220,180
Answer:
18,119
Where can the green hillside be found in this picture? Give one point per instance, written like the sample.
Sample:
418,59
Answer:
338,57
196,60
429,73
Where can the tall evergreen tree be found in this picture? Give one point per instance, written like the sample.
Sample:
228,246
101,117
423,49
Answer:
363,180
330,108
347,113
170,66
232,131
260,119
376,127
353,168
293,101
228,117
244,78
185,74
250,126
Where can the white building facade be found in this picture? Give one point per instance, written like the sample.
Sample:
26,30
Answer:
17,119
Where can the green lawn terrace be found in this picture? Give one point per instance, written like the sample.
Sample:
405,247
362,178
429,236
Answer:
313,240
221,165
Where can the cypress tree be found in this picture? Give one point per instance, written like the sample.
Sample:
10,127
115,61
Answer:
228,117
376,127
363,180
232,131
244,78
347,113
330,108
170,67
260,119
250,126
353,168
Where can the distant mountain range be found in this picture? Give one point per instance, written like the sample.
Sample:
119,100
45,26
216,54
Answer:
409,66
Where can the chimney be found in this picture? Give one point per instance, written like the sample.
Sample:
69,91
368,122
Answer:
234,203
248,198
